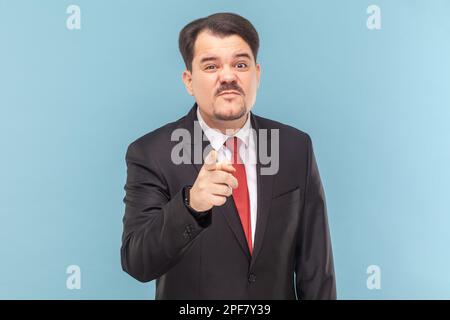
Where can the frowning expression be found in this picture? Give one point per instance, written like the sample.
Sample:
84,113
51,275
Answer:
224,78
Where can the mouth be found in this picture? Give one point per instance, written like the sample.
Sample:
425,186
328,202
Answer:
226,93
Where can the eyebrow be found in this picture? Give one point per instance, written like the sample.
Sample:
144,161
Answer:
206,59
243,55
214,58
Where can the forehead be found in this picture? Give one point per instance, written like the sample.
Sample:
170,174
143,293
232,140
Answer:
208,44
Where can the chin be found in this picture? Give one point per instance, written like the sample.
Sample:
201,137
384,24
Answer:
229,111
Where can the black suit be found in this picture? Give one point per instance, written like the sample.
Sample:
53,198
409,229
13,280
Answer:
207,257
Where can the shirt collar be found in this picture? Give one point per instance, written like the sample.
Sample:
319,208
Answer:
217,138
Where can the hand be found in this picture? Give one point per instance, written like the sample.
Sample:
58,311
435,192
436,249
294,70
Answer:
213,185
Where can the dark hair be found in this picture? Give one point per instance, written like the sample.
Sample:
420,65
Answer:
221,24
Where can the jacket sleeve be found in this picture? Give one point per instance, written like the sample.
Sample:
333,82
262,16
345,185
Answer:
315,278
157,229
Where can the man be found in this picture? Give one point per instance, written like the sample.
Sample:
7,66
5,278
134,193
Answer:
227,226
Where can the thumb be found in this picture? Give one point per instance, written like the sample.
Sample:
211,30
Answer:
211,160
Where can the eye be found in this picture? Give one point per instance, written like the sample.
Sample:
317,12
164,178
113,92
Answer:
210,67
241,65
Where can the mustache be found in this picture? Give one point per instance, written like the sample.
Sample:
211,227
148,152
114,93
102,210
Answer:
229,87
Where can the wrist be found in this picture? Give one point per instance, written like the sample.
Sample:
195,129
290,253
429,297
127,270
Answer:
187,200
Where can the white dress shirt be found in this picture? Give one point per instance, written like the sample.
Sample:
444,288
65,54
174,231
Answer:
247,152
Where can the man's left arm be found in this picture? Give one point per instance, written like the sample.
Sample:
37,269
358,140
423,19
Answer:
315,278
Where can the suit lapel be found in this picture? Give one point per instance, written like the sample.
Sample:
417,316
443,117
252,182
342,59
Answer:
264,199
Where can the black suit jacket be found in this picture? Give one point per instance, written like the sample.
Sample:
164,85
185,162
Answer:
207,257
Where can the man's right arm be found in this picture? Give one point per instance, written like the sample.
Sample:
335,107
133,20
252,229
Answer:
157,229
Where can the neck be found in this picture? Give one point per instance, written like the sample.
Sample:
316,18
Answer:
228,127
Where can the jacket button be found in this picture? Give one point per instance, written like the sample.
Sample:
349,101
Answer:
252,277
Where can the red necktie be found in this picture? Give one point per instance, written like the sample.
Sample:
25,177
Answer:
240,194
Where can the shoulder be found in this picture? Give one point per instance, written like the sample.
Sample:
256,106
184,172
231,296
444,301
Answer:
287,133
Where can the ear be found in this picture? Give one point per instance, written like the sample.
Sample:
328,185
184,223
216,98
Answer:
258,73
187,80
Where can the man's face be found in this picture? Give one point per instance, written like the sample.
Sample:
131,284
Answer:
224,77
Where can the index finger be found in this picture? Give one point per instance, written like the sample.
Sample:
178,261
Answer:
225,166
211,161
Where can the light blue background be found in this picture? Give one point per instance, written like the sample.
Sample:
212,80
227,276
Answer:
376,103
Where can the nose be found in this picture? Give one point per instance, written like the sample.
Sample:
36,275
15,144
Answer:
227,74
